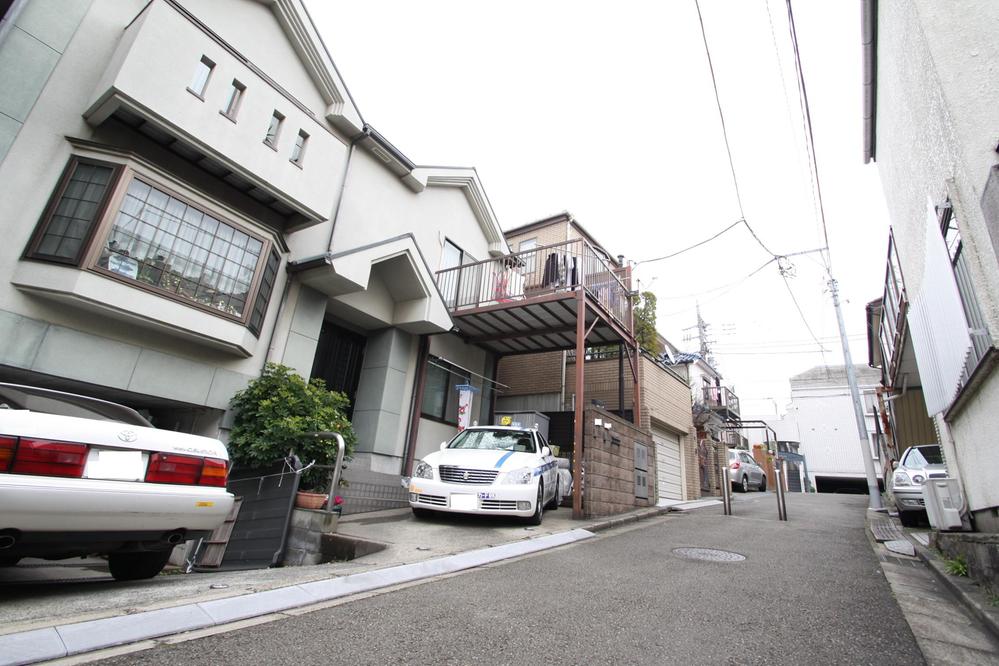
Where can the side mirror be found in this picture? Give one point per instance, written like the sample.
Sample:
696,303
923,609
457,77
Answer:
443,445
545,451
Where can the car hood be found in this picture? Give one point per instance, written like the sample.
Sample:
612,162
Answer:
503,461
24,423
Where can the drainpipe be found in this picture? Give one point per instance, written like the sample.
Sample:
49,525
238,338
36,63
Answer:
561,394
343,189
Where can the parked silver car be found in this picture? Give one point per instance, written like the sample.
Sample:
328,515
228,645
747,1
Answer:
918,463
744,472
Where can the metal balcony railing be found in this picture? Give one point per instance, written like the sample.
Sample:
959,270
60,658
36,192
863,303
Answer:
520,277
720,399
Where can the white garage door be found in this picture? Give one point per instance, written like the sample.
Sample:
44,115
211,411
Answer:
668,467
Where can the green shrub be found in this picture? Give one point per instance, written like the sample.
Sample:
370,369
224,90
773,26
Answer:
276,414
956,566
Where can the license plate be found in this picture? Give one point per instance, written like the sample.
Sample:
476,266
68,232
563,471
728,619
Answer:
115,465
464,502
487,495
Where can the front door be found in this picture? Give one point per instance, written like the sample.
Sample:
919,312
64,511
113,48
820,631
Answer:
339,355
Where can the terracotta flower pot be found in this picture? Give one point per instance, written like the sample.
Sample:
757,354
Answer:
307,500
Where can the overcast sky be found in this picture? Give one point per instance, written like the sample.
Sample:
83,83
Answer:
607,111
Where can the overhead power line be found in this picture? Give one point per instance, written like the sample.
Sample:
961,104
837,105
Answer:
687,249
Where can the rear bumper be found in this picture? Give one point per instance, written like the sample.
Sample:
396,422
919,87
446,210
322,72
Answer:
47,511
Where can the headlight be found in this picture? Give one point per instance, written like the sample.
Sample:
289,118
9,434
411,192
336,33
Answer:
902,479
918,479
423,471
522,475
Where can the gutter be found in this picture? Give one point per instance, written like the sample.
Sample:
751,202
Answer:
869,41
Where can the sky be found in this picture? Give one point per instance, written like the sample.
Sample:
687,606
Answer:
607,110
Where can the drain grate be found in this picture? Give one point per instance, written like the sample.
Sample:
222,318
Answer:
708,555
886,530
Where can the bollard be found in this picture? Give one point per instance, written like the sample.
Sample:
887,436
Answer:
779,472
724,481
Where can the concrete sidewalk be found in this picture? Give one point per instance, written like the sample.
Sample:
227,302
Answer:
47,615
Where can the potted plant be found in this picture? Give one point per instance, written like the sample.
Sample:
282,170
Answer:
278,413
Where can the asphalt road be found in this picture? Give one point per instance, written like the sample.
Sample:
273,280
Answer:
809,591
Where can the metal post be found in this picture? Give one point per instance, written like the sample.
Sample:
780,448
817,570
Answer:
337,468
724,481
781,507
578,429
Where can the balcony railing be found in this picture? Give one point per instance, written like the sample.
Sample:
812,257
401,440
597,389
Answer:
720,399
562,267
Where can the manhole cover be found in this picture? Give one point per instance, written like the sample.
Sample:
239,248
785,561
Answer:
708,555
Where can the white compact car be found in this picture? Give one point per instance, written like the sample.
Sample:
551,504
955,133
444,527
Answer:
488,470
81,476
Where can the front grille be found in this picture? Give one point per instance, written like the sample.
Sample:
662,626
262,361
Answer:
499,505
436,500
938,475
478,477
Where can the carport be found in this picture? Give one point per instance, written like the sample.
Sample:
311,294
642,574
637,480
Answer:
552,298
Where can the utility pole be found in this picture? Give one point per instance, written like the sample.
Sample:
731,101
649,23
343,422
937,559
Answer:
874,493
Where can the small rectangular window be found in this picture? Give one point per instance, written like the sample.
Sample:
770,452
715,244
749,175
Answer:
235,97
202,72
274,129
298,152
69,221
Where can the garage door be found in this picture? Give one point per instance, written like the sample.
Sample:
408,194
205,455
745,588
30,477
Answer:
668,468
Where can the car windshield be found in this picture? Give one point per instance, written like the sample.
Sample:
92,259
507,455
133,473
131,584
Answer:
44,401
494,440
921,456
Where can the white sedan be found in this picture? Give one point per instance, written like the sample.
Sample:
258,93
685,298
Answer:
488,470
81,476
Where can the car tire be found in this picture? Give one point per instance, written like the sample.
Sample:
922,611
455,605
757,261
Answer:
137,566
556,498
763,484
539,505
422,514
908,518
744,486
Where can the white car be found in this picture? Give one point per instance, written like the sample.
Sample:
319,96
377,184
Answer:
488,470
81,476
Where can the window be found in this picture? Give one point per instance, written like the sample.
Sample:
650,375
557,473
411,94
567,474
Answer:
458,287
981,341
234,99
530,260
440,399
274,130
153,238
298,152
202,72
71,216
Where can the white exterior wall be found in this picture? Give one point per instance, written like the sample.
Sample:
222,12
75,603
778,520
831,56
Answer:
936,137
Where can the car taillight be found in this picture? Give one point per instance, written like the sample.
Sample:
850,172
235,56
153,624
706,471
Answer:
7,446
186,470
170,468
214,473
44,458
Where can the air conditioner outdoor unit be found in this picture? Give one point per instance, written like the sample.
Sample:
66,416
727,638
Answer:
943,503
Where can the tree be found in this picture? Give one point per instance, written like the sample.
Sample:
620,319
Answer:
645,322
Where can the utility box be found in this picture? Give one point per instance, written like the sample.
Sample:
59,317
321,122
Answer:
942,498
535,420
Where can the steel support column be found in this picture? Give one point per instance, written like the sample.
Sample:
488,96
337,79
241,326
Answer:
578,425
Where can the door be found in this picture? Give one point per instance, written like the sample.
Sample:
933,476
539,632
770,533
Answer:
669,467
339,355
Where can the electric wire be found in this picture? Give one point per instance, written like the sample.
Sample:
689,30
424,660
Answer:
687,249
804,321
721,116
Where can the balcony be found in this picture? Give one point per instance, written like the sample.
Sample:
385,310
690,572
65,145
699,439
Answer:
145,86
720,400
530,302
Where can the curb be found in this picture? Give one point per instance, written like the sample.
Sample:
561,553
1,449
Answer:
967,592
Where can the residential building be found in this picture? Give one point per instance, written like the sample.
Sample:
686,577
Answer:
929,124
188,191
546,382
821,419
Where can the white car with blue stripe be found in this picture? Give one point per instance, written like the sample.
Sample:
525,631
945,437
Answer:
488,470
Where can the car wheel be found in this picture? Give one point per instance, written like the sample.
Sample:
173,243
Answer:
556,498
744,487
423,514
539,505
763,484
908,518
137,566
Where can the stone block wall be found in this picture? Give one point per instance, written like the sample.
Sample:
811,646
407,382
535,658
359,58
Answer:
305,534
609,467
